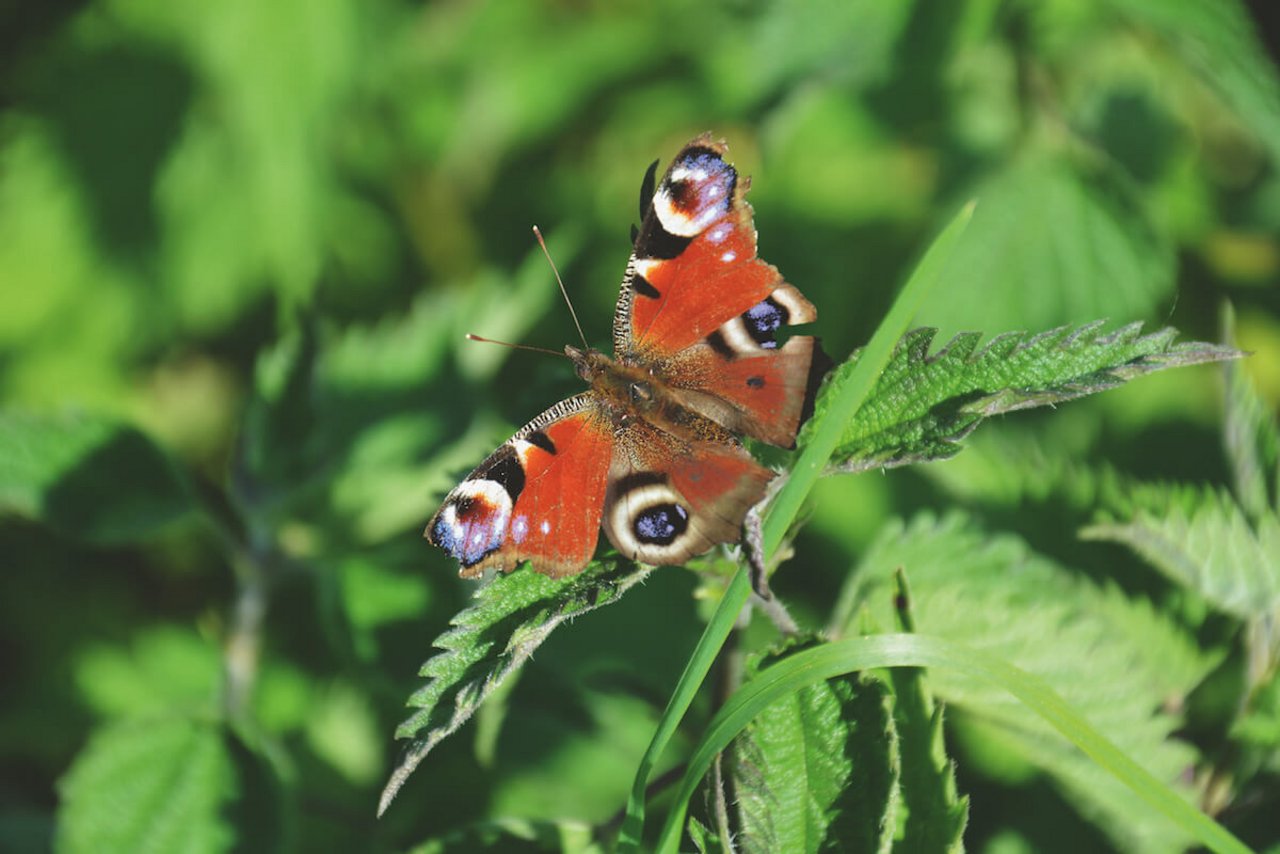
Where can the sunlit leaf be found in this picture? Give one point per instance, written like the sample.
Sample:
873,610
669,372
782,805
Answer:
924,404
156,785
993,593
818,771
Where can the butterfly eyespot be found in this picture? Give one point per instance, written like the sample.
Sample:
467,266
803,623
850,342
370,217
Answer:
762,321
661,525
697,192
473,522
755,382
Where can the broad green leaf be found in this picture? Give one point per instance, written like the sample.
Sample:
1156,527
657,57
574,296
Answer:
849,41
1251,439
1113,660
163,668
149,786
1202,540
840,658
1054,241
924,404
818,770
343,732
1217,39
281,74
90,477
514,614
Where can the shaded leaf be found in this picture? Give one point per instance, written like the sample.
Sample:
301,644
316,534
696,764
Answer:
1201,539
817,771
155,785
90,477
490,640
1217,39
923,405
1251,438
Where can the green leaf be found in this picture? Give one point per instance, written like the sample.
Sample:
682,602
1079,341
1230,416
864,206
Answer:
1115,661
934,816
829,660
817,770
1054,241
89,477
1202,540
163,668
1251,437
923,404
849,41
514,614
1217,39
149,786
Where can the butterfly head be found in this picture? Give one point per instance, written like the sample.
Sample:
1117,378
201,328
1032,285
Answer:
589,363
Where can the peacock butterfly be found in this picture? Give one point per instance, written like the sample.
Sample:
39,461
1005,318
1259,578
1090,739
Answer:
650,451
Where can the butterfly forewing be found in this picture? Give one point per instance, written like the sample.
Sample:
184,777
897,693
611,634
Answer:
537,498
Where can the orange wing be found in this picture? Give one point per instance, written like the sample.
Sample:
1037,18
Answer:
537,498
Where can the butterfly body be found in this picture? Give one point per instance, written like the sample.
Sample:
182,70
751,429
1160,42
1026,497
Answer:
650,451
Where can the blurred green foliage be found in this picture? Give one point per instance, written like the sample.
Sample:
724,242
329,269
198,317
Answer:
240,243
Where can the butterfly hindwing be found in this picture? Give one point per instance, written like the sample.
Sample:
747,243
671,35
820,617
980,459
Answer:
537,498
669,499
745,379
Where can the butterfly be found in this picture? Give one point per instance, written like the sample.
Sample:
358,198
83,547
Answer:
650,452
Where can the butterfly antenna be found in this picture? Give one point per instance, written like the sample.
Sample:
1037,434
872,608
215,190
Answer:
538,234
473,337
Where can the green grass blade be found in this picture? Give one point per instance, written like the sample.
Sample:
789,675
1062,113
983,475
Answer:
904,650
825,437
782,512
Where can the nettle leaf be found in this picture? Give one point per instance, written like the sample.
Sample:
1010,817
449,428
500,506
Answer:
489,641
149,785
1116,661
1252,441
1056,238
1201,539
89,477
923,405
818,770
933,815
1217,39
